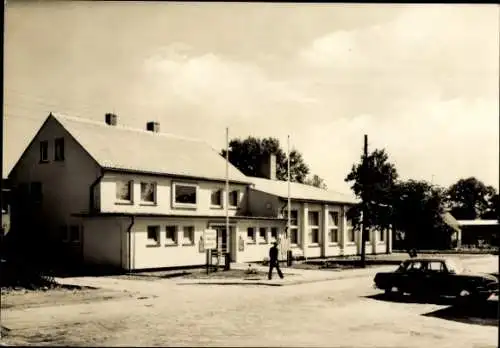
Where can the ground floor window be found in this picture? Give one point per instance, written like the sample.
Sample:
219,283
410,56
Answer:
250,235
188,235
262,235
294,236
171,235
333,235
351,234
381,235
314,235
274,234
154,235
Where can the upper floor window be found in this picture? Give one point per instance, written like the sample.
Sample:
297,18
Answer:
59,149
184,194
148,192
124,190
44,151
216,198
233,198
294,217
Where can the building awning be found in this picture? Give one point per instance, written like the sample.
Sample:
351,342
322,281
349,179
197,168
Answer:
156,215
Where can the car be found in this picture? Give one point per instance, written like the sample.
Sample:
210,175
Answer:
437,277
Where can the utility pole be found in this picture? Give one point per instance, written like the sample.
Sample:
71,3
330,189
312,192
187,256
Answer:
364,230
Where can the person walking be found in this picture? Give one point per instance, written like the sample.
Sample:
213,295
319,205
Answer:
273,261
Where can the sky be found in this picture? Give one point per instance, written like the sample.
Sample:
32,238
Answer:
422,81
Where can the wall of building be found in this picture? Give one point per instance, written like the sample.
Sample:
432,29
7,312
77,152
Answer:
264,204
105,241
256,249
106,196
65,184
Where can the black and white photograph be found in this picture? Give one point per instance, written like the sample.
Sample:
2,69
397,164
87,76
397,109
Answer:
250,174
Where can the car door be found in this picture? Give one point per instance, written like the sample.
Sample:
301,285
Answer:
411,280
436,278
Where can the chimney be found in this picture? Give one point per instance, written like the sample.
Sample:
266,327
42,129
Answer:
268,166
153,127
111,119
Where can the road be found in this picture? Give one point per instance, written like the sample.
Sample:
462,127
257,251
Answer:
336,313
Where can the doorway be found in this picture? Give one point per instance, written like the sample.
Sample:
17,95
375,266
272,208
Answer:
225,240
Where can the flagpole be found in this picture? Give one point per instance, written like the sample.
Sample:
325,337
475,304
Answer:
227,185
288,234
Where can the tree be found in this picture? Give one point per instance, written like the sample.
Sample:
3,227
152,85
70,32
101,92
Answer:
470,198
493,210
373,183
418,209
316,181
246,155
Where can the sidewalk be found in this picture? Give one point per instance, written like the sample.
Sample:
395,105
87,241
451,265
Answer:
292,276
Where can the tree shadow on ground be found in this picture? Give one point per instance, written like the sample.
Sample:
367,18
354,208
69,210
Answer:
472,312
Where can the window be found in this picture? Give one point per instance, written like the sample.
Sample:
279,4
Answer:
250,235
351,236
216,198
233,198
171,232
333,227
188,235
184,194
154,235
415,266
263,235
294,236
44,151
294,217
435,266
313,227
294,226
381,235
74,234
59,149
148,192
36,192
274,234
124,191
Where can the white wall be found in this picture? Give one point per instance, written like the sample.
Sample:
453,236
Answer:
107,199
258,249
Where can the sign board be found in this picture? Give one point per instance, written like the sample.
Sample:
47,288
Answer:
210,239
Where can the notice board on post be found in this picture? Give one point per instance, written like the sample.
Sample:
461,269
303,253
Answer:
210,239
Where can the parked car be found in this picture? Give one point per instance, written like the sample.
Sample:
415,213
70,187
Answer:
437,277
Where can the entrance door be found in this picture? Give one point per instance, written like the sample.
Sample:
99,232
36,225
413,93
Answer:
225,240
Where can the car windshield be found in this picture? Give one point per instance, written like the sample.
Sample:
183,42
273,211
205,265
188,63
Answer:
454,266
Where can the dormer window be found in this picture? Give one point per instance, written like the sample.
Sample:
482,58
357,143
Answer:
234,198
44,151
216,198
59,149
124,191
184,195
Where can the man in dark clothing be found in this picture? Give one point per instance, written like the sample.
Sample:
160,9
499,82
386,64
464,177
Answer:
273,261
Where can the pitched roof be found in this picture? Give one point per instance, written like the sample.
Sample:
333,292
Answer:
451,221
301,191
123,148
477,222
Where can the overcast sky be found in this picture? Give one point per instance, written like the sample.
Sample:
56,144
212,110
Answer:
421,80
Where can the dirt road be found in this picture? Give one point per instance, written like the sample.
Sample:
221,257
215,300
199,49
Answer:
337,313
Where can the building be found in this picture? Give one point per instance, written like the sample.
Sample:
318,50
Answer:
140,199
6,206
478,233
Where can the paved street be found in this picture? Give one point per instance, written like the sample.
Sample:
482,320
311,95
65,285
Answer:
333,313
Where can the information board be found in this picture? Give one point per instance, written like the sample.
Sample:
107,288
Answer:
210,239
